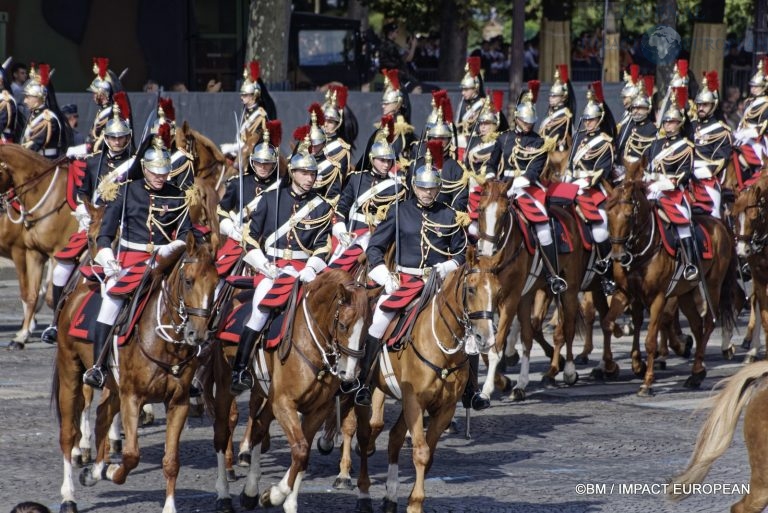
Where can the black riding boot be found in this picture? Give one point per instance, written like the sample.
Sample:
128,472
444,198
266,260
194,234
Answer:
556,283
372,346
96,376
472,396
241,376
690,272
50,333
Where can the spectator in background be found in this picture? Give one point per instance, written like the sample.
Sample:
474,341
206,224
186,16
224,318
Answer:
213,86
151,86
73,118
179,87
20,74
391,56
30,507
531,61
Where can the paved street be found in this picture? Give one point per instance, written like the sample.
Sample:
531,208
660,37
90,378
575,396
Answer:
524,457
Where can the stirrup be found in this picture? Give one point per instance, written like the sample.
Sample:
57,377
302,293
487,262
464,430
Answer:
50,335
95,377
241,381
690,272
195,389
347,387
601,266
557,284
363,396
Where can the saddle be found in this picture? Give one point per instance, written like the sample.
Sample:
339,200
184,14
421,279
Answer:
671,241
227,256
562,236
747,165
409,300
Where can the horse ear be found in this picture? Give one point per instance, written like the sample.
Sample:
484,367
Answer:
191,241
471,255
344,294
185,127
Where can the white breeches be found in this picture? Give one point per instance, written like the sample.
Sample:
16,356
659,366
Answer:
600,230
259,316
62,272
381,319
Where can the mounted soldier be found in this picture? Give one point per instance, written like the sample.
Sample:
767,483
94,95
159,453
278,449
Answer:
484,152
340,125
750,136
636,134
559,121
44,132
289,235
712,142
472,101
258,107
152,217
590,167
428,238
670,164
332,163
9,112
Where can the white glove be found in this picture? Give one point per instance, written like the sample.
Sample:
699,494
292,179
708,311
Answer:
381,275
82,216
745,134
227,227
339,231
444,268
106,259
307,274
167,250
258,260
77,152
518,184
583,183
317,264
229,148
473,229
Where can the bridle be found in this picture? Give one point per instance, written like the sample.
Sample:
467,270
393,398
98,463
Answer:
14,195
634,234
191,148
172,300
758,239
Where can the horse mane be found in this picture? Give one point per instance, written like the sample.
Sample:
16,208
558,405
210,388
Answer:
618,192
204,141
494,190
324,290
7,151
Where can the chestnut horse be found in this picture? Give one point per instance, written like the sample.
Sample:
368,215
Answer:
38,219
210,164
156,364
746,390
304,374
431,372
648,270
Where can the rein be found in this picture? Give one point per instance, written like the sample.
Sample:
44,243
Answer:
172,306
634,235
16,192
758,239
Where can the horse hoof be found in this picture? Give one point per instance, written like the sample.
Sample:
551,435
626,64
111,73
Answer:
389,506
548,382
15,346
597,374
86,477
729,353
659,365
645,391
695,379
343,483
325,446
68,507
746,343
518,395
571,380
581,359
640,369
748,358
248,502
364,506
561,363
264,500
224,506
688,346
231,476
480,402
613,374
244,459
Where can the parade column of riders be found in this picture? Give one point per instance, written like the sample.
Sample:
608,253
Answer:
416,192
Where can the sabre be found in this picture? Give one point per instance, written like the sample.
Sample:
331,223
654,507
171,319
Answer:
240,172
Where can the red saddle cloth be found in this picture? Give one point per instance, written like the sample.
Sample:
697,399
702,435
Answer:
474,201
136,263
74,248
410,287
670,239
702,201
668,202
348,260
745,157
588,203
84,320
526,204
75,175
227,256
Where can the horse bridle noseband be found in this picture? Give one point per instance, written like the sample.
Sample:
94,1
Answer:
180,308
629,240
755,241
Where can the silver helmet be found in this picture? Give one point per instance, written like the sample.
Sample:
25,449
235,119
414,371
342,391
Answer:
251,74
428,175
264,153
303,159
37,85
101,83
156,159
526,111
471,79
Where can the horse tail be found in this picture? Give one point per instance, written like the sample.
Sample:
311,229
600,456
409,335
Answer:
717,432
728,291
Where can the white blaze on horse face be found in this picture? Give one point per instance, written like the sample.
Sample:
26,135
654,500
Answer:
742,248
485,247
349,365
484,327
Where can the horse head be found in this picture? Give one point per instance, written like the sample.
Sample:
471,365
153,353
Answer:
96,214
493,217
209,162
480,297
628,211
337,313
19,165
751,220
189,290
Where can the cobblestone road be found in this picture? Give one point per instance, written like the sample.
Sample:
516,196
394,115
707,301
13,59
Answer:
527,457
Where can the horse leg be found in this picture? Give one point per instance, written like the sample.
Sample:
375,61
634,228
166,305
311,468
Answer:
526,336
396,439
310,425
115,446
588,312
130,406
608,368
176,412
107,409
413,412
700,329
82,453
540,308
348,428
570,313
363,420
657,305
223,425
262,416
747,343
244,451
28,299
69,401
494,355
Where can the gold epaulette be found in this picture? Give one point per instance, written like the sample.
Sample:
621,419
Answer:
47,114
108,187
463,219
192,195
490,137
402,127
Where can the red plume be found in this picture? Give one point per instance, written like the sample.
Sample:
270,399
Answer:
164,132
45,74
102,63
389,122
394,78
681,95
121,99
634,72
649,83
682,67
447,110
318,110
563,69
765,63
597,88
341,95
254,69
713,82
438,95
301,132
498,100
435,147
167,105
275,128
474,64
533,87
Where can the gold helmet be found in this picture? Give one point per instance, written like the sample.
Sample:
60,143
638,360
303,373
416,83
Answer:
251,74
101,83
156,159
679,74
428,175
676,109
471,78
560,84
119,125
266,151
632,85
37,85
708,92
594,108
392,92
303,159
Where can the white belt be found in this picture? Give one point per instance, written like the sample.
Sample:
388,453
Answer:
287,254
147,248
582,174
415,271
359,217
512,172
49,152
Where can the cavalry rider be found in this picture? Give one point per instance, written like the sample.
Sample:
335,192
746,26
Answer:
591,163
750,136
428,238
43,132
712,142
332,167
289,234
636,134
484,152
340,124
103,90
253,95
368,196
395,103
670,160
9,113
559,120
632,87
472,101
153,218
524,154
113,158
